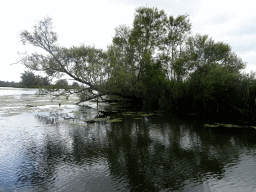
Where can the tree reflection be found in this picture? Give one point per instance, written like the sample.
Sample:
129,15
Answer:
148,163
150,154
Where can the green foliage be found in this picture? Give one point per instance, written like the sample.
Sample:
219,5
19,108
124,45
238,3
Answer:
75,85
156,62
29,79
9,84
62,83
140,57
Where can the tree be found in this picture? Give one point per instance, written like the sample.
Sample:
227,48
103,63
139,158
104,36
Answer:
123,70
177,30
44,81
140,56
213,73
75,85
29,79
201,50
62,83
84,64
155,62
9,84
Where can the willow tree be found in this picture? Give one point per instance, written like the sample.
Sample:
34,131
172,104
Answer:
145,56
155,61
214,73
137,63
84,64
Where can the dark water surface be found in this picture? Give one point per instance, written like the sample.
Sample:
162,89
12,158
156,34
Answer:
46,151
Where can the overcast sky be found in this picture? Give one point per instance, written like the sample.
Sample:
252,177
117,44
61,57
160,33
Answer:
92,22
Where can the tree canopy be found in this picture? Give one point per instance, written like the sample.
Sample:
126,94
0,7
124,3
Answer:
29,79
156,62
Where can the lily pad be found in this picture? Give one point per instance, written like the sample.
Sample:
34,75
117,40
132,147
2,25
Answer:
210,125
147,114
114,120
100,119
222,125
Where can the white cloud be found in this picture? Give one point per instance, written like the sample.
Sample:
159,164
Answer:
249,55
92,23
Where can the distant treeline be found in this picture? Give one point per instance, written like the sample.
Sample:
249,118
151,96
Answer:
9,84
30,80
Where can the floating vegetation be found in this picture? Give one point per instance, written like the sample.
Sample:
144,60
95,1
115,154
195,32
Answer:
227,125
114,120
127,114
142,114
10,114
100,119
14,105
221,125
146,114
210,125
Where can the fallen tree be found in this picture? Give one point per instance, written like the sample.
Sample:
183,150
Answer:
84,64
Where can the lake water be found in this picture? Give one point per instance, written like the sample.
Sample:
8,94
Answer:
49,147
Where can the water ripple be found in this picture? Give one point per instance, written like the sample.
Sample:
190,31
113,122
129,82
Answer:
40,151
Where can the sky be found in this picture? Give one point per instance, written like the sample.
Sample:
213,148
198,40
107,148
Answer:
92,22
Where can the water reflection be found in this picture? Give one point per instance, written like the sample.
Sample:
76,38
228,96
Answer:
48,119
150,154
